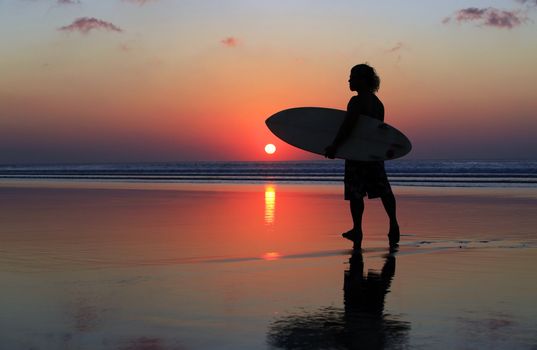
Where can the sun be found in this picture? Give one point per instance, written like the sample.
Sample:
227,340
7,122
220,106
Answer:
270,148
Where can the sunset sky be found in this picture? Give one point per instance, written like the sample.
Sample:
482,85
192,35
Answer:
174,80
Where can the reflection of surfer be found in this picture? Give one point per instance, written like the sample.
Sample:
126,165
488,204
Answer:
364,297
364,177
361,324
366,293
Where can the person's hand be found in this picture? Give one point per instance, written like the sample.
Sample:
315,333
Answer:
330,152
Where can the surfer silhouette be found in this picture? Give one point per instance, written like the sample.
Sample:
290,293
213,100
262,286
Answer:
364,177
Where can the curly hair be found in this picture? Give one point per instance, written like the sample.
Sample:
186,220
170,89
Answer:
369,73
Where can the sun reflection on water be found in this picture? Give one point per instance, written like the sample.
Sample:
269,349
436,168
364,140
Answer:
270,204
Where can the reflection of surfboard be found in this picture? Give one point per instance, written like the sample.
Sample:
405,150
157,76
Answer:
314,128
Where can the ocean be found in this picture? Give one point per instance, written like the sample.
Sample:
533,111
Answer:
437,173
133,256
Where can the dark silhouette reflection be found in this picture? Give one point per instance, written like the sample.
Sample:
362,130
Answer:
360,324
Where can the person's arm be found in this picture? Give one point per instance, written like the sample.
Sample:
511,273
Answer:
345,128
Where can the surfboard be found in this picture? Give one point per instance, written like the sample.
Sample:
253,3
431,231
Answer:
314,128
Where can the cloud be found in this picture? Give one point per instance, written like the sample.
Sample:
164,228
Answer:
230,41
490,17
470,14
86,24
397,47
397,50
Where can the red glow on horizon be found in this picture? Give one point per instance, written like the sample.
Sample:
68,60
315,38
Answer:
272,256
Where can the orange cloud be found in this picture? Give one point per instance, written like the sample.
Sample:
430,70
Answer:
230,41
86,24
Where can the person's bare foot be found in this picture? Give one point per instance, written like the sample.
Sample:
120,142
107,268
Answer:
355,236
394,235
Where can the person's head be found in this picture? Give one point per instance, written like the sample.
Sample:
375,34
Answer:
364,78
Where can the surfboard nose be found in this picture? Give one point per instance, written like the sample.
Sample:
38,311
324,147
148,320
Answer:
273,119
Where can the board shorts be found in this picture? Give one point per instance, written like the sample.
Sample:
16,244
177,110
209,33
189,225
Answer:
365,178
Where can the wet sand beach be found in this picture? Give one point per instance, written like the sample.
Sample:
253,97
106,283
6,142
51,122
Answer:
263,266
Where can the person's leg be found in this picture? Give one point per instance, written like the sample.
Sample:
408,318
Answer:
388,201
357,211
